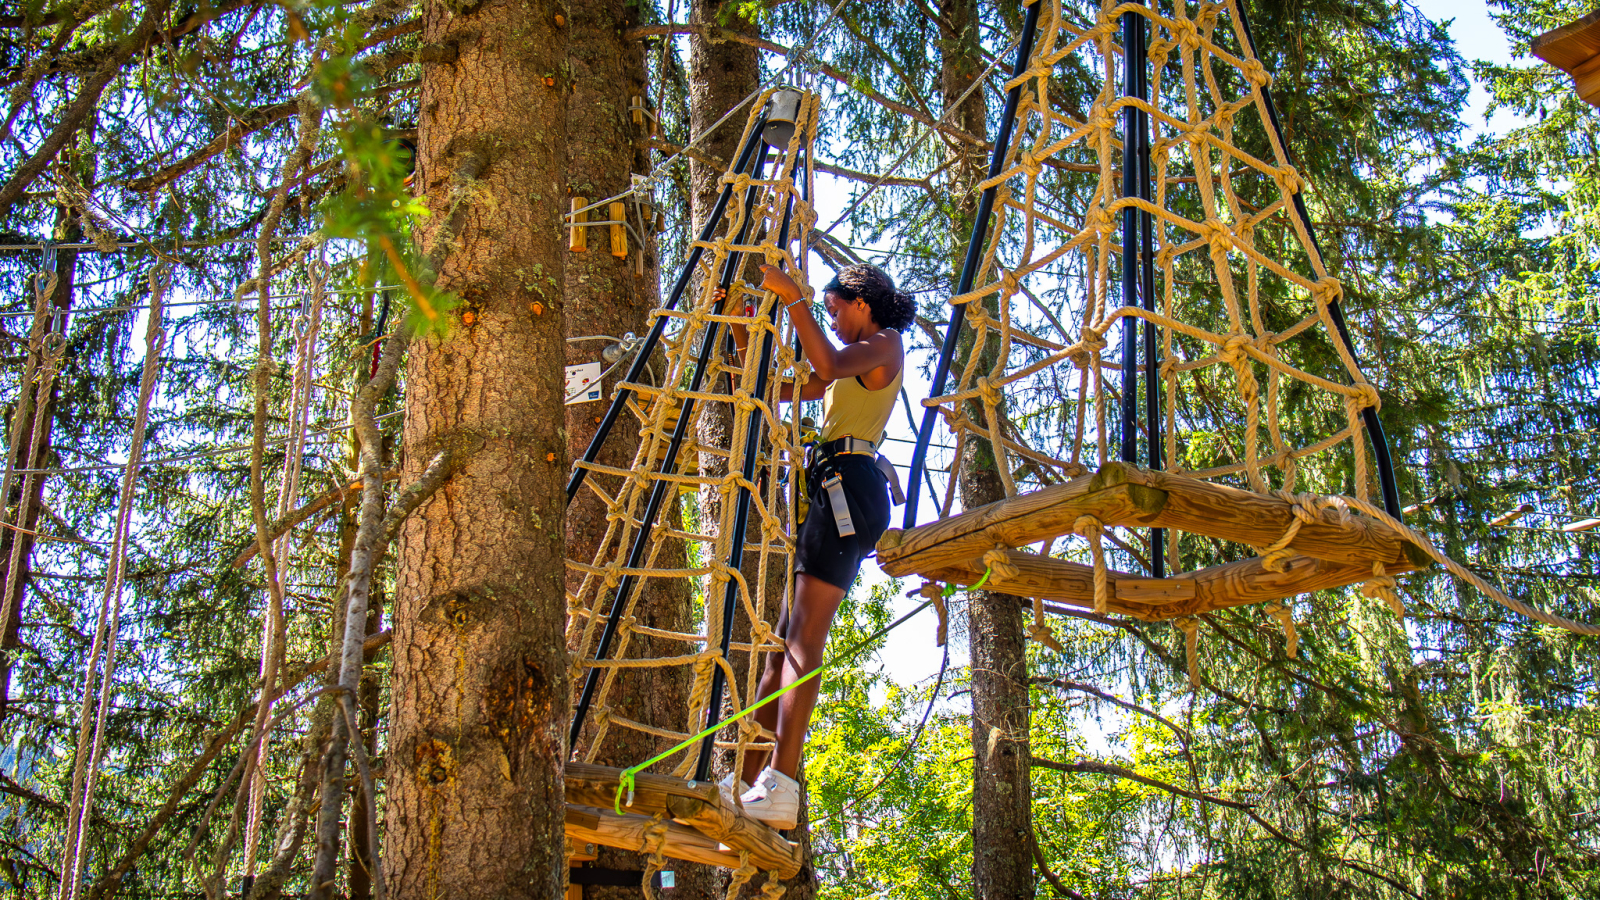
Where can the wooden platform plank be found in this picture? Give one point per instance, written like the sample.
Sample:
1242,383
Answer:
1218,587
1575,49
1230,514
1126,495
1013,522
598,826
696,804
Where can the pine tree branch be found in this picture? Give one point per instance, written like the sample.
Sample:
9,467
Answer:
248,123
344,493
1092,767
1090,689
714,33
72,118
109,883
1089,767
717,162
1044,869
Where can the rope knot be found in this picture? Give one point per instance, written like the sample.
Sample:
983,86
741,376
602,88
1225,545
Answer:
1185,33
1190,626
1327,290
1366,396
1091,340
1255,73
1000,564
1041,633
1232,350
1097,221
1218,238
1285,617
1008,283
989,390
1100,118
1382,586
1287,179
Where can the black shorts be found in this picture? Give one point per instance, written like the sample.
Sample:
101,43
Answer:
820,551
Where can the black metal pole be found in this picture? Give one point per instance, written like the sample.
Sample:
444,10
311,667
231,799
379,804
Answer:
741,521
619,399
658,493
969,268
1132,62
1369,416
1147,290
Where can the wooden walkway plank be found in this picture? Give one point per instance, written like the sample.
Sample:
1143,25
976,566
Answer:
1186,594
696,804
1126,495
1013,522
599,826
1230,514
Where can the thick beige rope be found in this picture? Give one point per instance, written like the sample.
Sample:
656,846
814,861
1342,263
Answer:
770,545
100,668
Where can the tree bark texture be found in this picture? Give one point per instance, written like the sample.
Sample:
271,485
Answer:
1002,821
15,584
607,295
721,73
475,803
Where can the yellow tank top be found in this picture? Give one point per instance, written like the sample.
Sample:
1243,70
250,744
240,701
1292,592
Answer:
850,410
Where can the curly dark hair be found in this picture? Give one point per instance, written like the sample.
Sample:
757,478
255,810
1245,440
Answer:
870,284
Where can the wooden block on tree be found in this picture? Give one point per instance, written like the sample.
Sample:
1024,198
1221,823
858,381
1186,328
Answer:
1186,594
577,233
629,833
619,230
697,804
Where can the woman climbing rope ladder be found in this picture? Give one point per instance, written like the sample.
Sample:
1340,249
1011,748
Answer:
849,502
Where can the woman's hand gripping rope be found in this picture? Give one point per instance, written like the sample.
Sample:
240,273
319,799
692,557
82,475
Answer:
625,783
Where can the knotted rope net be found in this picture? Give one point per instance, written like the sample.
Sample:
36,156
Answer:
1244,312
698,547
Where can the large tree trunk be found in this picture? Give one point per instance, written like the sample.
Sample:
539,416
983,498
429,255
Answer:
477,740
1002,823
606,295
14,584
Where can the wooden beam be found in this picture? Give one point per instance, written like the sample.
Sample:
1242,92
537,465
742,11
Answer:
1013,522
598,826
1126,495
1186,594
1231,514
1575,49
697,804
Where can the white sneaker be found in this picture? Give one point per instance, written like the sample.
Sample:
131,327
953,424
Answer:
732,788
775,799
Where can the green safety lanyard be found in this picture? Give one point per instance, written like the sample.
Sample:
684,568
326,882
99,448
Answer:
625,783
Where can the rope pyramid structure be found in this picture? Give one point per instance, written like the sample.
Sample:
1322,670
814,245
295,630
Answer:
739,560
1126,361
